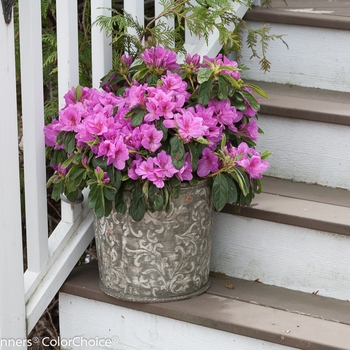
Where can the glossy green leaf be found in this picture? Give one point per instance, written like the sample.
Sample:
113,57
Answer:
137,117
194,155
220,191
57,190
223,88
78,93
232,190
177,152
204,75
109,192
250,99
119,202
242,180
155,197
69,142
257,89
138,207
204,92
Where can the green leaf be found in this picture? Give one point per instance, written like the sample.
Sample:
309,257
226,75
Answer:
57,190
60,137
204,75
266,154
78,93
137,117
69,142
238,102
115,176
223,88
203,141
220,191
109,192
101,162
257,89
204,93
52,179
250,99
177,152
75,171
141,73
194,155
137,207
92,198
155,197
108,207
71,186
119,202
232,190
68,161
242,180
152,79
72,196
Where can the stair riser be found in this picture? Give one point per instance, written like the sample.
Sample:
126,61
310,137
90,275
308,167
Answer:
307,151
317,57
137,330
287,256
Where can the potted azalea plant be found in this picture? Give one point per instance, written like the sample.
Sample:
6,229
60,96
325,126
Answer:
159,146
154,125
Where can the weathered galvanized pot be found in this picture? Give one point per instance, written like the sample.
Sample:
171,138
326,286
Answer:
164,257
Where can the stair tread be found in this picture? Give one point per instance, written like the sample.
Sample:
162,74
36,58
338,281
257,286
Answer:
305,103
316,13
299,204
251,309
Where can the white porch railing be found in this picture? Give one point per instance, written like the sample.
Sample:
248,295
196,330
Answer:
24,295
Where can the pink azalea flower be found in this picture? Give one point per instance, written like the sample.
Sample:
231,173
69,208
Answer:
185,173
135,95
190,126
96,124
208,163
70,117
225,113
160,58
51,135
151,137
256,167
165,164
250,129
105,178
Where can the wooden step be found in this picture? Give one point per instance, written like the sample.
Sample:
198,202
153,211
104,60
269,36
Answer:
308,132
294,235
317,33
236,313
314,13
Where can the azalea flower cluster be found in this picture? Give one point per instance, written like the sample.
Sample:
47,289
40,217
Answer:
152,127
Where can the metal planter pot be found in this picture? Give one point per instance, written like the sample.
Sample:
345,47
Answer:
164,257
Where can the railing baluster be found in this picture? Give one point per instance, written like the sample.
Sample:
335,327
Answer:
137,10
67,46
12,307
68,68
158,8
33,136
101,48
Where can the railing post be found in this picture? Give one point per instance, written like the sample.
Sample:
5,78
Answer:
33,136
12,306
101,48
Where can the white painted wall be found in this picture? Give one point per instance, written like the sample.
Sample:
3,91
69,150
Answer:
127,329
282,255
298,65
307,151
